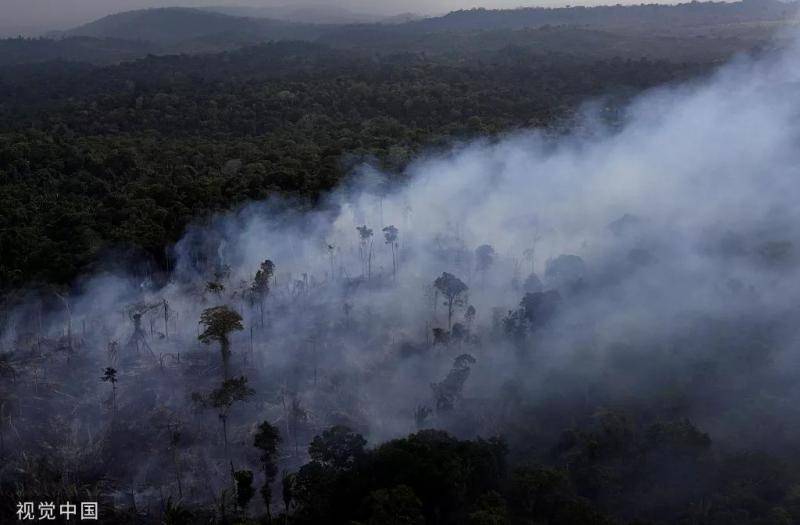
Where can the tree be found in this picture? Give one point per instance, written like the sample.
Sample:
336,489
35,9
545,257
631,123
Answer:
394,506
244,489
223,398
219,322
491,510
176,514
540,307
537,492
332,257
469,317
68,310
174,441
390,234
215,287
4,419
365,249
110,376
338,447
452,288
532,284
484,258
421,414
447,393
564,271
287,491
261,285
296,416
267,439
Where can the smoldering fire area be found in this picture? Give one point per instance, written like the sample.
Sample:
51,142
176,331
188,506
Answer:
618,305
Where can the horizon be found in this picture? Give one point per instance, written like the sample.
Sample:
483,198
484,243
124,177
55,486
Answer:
36,17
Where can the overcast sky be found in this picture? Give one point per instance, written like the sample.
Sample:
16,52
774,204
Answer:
60,14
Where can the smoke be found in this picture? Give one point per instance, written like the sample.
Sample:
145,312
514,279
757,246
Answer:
671,239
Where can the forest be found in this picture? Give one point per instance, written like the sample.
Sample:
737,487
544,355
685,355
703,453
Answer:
120,157
441,282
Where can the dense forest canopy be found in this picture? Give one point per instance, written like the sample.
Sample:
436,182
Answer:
474,269
156,143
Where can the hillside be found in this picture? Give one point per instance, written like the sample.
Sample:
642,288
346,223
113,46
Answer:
629,17
708,31
75,49
301,13
297,115
480,277
528,267
173,25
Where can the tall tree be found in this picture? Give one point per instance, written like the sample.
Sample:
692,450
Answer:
223,398
484,258
365,249
261,285
391,234
337,447
219,322
244,489
110,376
448,392
267,439
452,288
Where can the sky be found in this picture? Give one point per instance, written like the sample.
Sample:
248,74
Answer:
63,14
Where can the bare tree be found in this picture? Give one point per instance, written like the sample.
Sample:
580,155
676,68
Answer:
138,339
174,441
65,300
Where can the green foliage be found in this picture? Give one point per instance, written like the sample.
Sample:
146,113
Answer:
231,391
267,439
261,281
338,447
428,475
177,514
395,506
219,322
109,376
244,488
449,285
100,161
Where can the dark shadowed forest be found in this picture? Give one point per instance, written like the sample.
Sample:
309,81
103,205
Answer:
499,267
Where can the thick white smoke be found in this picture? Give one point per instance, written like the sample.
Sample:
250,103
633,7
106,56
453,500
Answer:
686,211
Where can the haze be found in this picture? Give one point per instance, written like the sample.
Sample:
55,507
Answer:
33,15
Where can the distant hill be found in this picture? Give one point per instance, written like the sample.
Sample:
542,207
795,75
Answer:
173,25
302,13
631,17
691,31
747,24
232,26
574,41
73,49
